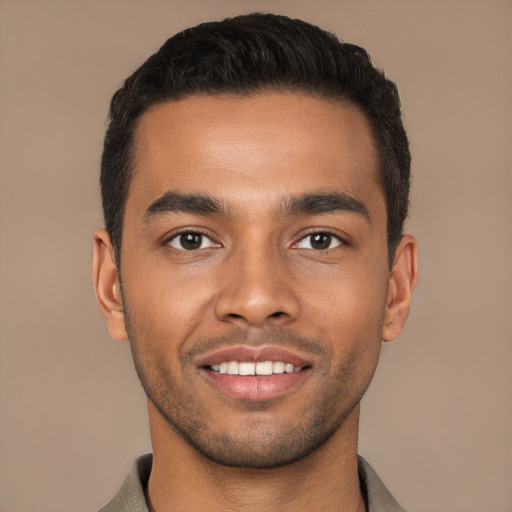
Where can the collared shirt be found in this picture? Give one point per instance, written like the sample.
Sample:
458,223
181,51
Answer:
130,497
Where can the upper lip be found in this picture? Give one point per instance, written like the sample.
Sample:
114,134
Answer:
245,353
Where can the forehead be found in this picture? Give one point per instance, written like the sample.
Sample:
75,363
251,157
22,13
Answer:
246,149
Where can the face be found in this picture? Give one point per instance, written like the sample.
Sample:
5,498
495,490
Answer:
255,276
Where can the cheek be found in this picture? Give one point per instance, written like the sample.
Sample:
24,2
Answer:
348,303
348,311
170,302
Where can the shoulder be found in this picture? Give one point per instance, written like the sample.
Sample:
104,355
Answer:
130,498
378,498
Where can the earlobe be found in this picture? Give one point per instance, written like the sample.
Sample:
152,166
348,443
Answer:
107,287
402,280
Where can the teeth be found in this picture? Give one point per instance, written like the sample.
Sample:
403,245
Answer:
278,367
264,368
259,368
232,368
246,368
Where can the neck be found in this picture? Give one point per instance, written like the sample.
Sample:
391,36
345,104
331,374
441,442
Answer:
183,480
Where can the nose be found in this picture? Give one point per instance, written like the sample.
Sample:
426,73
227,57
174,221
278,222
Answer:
257,287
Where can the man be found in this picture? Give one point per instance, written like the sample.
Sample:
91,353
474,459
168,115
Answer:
255,182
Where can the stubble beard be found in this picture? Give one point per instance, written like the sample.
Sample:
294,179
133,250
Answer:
260,445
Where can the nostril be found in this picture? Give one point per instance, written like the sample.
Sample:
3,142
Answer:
235,315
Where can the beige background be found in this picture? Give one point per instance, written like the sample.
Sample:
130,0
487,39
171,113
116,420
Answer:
437,421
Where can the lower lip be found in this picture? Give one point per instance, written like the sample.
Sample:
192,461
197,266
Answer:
257,387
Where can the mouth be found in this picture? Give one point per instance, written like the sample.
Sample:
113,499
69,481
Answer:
255,373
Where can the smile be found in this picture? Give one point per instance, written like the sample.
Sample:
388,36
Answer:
255,368
255,373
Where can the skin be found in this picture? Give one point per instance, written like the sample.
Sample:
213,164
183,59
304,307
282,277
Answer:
255,281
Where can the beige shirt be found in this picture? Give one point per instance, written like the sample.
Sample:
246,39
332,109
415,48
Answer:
130,497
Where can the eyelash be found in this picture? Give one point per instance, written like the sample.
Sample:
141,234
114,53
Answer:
198,232
190,231
332,236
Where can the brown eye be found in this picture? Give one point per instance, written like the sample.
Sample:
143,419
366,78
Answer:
190,241
319,242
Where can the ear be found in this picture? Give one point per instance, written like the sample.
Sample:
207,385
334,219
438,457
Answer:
402,280
107,286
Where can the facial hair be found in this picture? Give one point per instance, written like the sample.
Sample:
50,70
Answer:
261,443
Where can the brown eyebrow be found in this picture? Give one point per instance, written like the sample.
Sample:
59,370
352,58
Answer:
177,202
306,204
324,203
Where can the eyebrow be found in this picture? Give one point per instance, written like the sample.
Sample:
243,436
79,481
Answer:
177,202
325,203
306,204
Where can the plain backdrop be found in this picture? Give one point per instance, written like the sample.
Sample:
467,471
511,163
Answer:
437,420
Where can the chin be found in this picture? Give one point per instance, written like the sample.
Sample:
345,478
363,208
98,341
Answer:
258,446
